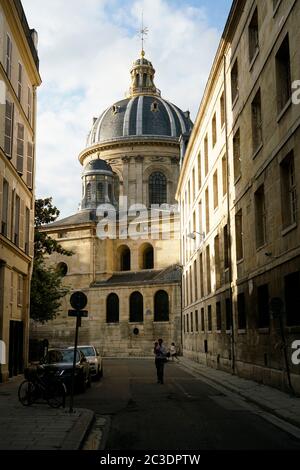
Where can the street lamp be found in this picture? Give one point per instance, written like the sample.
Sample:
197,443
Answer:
193,235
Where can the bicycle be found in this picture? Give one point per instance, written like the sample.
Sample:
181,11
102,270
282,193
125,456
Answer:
40,385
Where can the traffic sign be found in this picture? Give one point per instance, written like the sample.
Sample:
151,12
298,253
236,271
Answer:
77,313
78,300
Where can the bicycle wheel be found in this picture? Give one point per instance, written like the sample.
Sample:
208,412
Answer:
26,393
56,394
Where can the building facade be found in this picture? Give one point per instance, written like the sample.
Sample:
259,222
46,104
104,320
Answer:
19,72
238,192
129,269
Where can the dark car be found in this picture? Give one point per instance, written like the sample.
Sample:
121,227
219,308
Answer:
60,363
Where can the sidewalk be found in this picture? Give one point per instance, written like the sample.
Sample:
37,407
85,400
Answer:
269,399
39,427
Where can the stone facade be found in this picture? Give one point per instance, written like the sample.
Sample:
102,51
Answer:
19,80
133,282
238,191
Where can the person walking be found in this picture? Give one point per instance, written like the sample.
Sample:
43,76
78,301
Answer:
173,352
160,359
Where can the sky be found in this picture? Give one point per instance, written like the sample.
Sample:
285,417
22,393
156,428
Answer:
86,49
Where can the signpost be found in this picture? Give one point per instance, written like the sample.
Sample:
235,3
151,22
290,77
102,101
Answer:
78,301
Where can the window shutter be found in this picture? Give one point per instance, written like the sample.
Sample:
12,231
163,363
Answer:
21,238
29,164
20,148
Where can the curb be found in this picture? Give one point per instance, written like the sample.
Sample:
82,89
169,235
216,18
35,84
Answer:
245,396
78,433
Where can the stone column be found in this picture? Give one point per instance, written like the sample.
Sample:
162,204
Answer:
139,179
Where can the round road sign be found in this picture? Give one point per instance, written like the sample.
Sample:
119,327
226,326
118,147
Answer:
78,300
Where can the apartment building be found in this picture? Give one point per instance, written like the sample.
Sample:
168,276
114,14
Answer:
19,78
238,192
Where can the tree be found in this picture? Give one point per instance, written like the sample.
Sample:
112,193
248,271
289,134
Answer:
47,288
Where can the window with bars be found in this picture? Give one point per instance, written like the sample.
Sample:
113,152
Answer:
260,216
214,130
8,130
209,318
29,164
253,34
239,235
202,320
20,148
234,81
17,221
283,74
208,272
224,175
257,134
216,189
222,109
4,221
226,247
20,290
288,191
100,193
237,155
27,230
157,188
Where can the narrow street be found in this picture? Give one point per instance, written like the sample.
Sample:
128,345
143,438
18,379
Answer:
183,414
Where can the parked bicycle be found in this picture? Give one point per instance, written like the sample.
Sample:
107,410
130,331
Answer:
40,385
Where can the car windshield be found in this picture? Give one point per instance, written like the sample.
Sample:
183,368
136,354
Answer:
65,355
88,351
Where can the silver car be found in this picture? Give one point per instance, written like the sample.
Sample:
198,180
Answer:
94,359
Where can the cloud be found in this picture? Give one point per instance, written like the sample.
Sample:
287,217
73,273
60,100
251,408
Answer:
86,49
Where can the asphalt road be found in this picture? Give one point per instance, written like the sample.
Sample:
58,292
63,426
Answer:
183,414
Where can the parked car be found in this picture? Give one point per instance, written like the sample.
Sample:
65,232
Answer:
60,363
94,359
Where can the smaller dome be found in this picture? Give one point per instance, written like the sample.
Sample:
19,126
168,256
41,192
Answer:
97,166
143,61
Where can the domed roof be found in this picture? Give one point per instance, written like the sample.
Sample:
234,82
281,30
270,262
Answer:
143,114
140,115
97,166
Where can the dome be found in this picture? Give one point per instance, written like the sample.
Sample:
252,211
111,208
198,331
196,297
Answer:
143,114
97,166
138,116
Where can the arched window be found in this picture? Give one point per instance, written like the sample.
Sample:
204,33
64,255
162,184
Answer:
136,307
100,192
62,269
161,306
112,308
146,256
124,258
88,192
157,188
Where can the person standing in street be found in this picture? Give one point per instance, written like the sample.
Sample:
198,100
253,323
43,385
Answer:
173,352
160,359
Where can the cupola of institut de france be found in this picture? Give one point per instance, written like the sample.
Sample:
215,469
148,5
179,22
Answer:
133,147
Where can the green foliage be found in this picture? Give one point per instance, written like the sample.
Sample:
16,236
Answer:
46,292
45,213
47,289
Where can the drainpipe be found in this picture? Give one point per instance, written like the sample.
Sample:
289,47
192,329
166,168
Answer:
229,226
